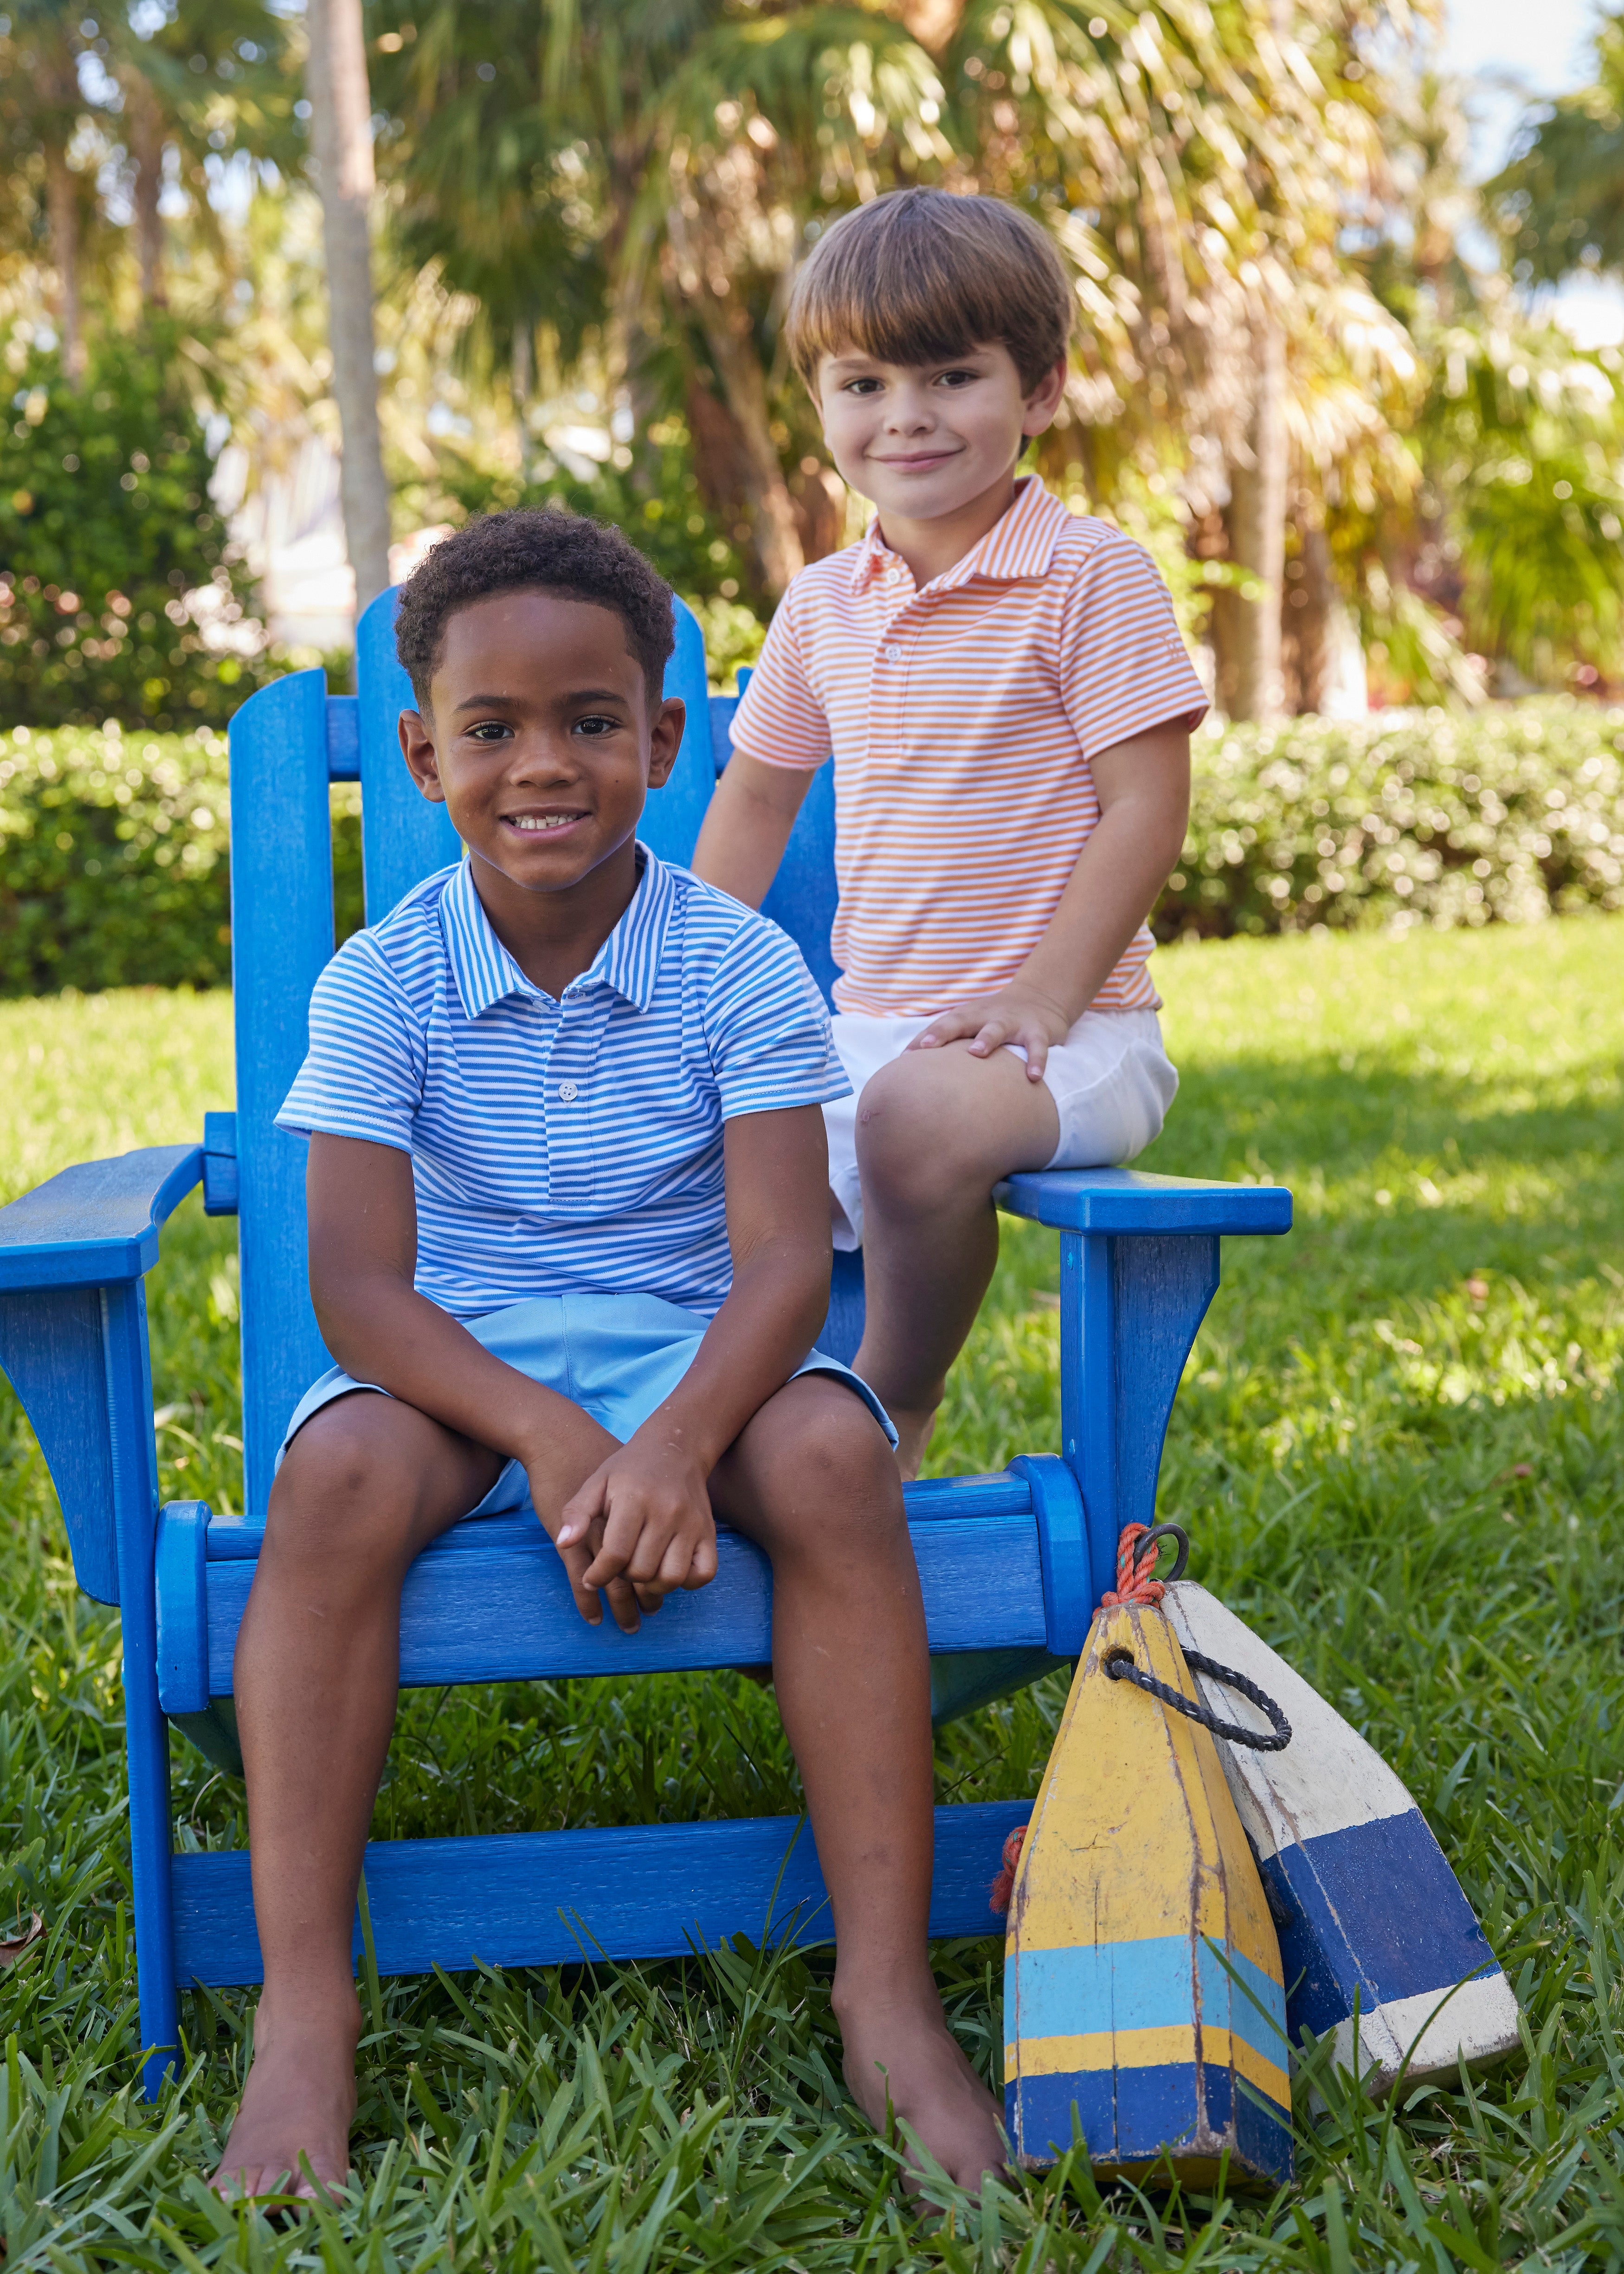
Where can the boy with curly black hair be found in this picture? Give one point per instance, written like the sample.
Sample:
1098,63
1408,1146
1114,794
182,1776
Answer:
569,1247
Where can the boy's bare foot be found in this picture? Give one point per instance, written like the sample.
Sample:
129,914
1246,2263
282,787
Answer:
904,2049
914,1430
299,2101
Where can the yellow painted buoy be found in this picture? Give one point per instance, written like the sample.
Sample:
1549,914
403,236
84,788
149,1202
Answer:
1144,2004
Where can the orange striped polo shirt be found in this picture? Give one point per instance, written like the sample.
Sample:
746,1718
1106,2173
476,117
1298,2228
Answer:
961,718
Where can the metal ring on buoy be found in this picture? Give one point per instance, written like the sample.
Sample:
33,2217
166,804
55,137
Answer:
1154,1536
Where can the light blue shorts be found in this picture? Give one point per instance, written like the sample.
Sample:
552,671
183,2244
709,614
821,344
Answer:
615,1356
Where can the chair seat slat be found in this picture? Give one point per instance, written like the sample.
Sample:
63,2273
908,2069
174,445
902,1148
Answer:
507,1615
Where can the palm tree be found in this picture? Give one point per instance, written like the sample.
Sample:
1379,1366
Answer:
201,78
1563,196
1198,166
660,159
341,114
648,165
39,73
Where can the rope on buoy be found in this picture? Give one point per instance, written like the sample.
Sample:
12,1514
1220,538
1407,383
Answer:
1004,1886
1120,1667
1137,1551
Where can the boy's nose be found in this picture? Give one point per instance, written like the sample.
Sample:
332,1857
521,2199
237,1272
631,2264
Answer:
909,415
543,760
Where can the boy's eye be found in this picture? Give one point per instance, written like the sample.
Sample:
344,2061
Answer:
864,386
489,730
596,724
957,378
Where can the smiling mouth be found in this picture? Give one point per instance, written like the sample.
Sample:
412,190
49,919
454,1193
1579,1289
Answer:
541,825
917,458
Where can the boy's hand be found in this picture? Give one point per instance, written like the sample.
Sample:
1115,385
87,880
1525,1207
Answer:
640,1526
1017,1013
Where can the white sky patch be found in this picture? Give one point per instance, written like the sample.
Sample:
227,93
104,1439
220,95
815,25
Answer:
1511,51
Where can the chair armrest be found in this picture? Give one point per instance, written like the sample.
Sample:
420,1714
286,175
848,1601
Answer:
1129,1201
96,1225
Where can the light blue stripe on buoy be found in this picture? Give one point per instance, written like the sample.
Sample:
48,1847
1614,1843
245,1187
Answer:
1112,1987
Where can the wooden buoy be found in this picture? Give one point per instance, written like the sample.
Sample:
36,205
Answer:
1369,1914
1144,2004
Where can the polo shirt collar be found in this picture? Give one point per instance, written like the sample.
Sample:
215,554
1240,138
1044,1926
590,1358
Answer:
629,960
1020,544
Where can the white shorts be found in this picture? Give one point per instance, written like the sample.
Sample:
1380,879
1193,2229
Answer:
1111,1081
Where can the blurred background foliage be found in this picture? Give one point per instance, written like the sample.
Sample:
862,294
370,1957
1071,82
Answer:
120,594
114,845
1314,370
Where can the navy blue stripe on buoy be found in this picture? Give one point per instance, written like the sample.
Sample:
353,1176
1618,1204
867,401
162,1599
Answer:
1133,2116
1376,1911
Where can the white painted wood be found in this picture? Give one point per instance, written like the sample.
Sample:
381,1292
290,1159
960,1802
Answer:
1331,1782
1327,1778
1427,2036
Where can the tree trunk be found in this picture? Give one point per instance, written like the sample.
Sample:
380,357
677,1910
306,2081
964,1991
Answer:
1251,685
144,120
774,533
1312,620
342,139
62,208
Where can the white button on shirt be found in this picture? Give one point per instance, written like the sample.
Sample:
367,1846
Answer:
425,1035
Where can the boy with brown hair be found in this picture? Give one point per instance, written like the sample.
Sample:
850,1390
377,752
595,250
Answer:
1008,704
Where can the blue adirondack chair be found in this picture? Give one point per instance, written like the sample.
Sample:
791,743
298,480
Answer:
1012,1565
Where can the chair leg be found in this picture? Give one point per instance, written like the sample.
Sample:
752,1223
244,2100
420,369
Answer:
148,1744
147,1738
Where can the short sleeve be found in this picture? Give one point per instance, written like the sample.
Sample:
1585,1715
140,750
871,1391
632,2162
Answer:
1123,667
779,719
768,1030
363,1076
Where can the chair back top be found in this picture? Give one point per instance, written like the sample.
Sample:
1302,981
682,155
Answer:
290,743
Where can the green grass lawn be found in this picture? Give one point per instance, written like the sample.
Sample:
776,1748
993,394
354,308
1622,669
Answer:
1399,1449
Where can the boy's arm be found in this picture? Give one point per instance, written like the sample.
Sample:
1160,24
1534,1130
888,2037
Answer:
363,1215
747,825
646,1512
1143,790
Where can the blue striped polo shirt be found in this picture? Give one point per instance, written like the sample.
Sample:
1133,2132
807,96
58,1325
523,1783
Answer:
563,1144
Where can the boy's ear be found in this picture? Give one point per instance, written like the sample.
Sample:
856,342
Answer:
1044,399
422,762
664,739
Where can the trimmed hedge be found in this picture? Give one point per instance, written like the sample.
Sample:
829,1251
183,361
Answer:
1405,817
114,868
114,845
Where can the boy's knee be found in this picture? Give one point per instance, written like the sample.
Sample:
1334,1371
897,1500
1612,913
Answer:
915,1148
347,1487
827,1477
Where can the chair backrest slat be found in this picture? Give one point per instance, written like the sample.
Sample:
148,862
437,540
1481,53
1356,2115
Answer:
403,838
282,934
287,743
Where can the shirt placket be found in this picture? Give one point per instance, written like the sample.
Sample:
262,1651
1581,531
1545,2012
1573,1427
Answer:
897,600
543,1014
572,1066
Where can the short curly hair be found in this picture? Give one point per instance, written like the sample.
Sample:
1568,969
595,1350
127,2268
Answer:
534,549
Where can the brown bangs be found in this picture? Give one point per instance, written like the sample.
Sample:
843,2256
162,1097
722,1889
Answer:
921,274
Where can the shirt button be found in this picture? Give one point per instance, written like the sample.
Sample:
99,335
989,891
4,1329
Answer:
569,1091
893,655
